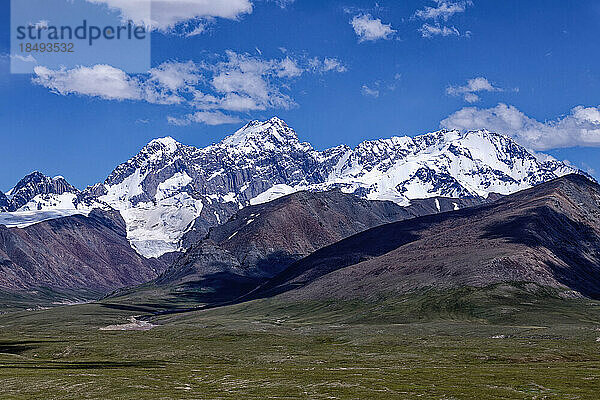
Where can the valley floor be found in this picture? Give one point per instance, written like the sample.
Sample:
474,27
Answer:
265,350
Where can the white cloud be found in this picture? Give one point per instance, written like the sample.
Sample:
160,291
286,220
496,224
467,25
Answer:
208,118
472,87
429,31
326,65
581,127
370,29
444,10
250,83
369,92
198,30
234,83
289,68
98,81
332,64
175,75
166,14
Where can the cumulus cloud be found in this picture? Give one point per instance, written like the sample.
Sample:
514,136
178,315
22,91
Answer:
473,86
370,29
166,14
289,68
430,31
581,127
233,83
443,10
101,80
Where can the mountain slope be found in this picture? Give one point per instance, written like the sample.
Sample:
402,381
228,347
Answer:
548,235
260,241
76,253
266,238
170,188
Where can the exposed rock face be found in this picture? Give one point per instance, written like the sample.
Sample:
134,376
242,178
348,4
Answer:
548,235
168,187
76,253
5,204
260,241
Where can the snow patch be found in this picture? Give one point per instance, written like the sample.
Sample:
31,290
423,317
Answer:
273,193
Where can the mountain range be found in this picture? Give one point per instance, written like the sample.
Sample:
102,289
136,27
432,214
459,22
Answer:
261,214
170,195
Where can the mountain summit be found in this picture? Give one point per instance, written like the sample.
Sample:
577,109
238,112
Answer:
257,135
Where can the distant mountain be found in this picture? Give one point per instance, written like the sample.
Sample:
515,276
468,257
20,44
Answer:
76,254
548,235
169,188
38,197
36,189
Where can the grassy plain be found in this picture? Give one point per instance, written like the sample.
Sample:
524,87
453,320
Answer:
494,343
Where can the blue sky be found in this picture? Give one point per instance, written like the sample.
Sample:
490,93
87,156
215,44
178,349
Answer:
336,71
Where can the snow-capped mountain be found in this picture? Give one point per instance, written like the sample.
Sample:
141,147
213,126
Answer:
170,189
36,190
37,197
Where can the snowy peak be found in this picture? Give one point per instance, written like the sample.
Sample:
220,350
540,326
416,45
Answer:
170,189
158,149
42,184
167,144
153,157
38,198
38,184
270,135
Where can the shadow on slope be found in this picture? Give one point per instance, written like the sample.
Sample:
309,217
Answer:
575,244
